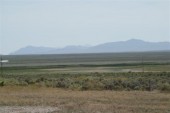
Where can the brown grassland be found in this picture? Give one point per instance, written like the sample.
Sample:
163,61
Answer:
69,101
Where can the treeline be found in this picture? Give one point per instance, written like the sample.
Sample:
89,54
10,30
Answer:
147,81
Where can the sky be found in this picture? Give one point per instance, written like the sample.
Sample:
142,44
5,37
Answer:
59,23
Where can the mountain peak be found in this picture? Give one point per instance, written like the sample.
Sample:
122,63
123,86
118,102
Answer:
135,40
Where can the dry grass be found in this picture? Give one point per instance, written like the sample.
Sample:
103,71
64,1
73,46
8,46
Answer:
69,101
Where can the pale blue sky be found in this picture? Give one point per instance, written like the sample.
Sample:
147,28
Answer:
58,23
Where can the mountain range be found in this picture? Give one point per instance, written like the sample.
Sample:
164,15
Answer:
133,45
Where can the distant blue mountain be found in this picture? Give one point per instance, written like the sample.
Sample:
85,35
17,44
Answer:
33,50
132,45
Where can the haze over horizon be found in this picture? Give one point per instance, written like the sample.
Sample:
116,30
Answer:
59,23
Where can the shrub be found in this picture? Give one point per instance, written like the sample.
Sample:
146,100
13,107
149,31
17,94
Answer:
63,83
165,87
1,83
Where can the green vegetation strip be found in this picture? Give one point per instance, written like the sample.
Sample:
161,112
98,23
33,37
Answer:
85,65
147,81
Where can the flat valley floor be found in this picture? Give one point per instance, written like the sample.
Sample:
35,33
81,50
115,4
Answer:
86,83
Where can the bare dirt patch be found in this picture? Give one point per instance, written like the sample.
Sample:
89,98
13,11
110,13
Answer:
28,109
